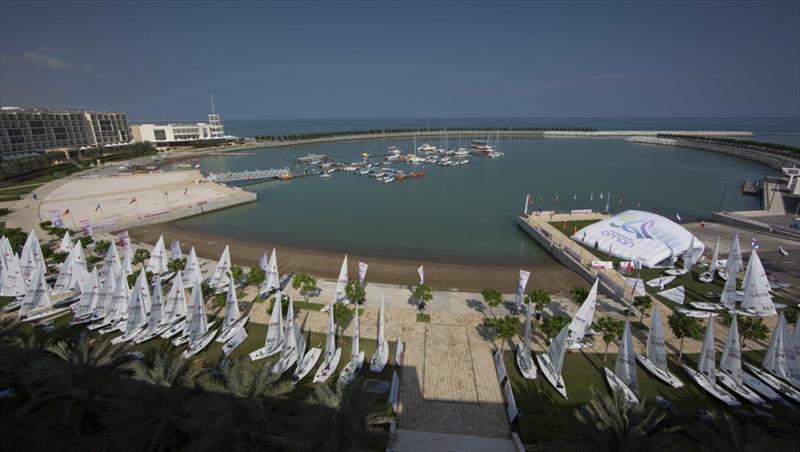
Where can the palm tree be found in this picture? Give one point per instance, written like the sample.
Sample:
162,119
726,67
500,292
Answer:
164,367
612,425
724,432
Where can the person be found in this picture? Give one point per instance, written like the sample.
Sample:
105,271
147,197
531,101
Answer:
596,244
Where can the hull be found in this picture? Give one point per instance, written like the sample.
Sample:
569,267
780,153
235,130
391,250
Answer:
200,345
174,330
617,385
45,314
351,371
675,272
264,352
380,358
127,337
556,380
705,306
718,393
284,363
309,361
775,383
666,377
228,333
328,368
740,390
525,364
762,389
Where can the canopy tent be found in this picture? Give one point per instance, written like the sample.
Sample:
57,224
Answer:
638,236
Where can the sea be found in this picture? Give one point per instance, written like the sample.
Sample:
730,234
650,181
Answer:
466,214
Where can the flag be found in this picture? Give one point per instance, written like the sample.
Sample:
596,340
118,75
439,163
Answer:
421,272
678,217
702,224
783,251
574,229
754,243
591,196
185,191
362,272
574,196
66,212
621,199
523,281
175,249
97,208
132,200
601,195
166,194
527,203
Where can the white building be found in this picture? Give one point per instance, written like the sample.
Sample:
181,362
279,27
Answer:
181,134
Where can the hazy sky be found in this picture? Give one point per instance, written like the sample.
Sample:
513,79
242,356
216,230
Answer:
160,60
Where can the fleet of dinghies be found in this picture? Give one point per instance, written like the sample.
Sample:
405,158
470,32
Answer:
706,374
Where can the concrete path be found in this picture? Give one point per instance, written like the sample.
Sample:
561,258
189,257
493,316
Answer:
414,441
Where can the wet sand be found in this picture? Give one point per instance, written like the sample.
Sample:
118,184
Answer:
553,278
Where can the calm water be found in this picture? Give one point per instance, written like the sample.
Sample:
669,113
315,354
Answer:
466,214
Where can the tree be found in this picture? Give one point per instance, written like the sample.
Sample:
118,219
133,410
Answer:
236,273
790,314
683,326
207,291
132,278
342,315
423,294
256,276
505,327
306,284
578,294
176,264
492,297
101,246
355,292
140,256
612,424
553,325
643,303
611,330
59,257
539,298
751,328
85,240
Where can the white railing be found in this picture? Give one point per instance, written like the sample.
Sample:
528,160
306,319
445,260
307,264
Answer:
230,176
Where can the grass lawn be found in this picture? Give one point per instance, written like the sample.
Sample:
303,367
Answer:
424,318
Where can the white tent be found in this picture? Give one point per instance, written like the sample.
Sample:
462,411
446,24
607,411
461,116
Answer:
638,236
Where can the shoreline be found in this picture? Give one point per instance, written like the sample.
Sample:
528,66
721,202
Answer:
442,276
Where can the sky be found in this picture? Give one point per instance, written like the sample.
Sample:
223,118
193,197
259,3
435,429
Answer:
280,60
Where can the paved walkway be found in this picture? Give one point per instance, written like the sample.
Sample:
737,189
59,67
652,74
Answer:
413,441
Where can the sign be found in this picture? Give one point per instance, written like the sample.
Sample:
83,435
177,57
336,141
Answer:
603,265
362,272
175,248
511,405
499,367
523,282
56,219
394,392
398,354
125,242
235,341
421,272
627,267
84,227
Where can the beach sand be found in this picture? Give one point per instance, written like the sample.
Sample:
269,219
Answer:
554,278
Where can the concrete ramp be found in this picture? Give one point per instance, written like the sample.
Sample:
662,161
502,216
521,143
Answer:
413,441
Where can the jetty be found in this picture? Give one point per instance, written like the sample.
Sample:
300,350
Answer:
248,177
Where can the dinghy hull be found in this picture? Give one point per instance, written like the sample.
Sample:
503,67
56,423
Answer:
379,358
718,393
666,377
309,361
740,390
327,369
200,345
617,385
525,364
351,371
556,380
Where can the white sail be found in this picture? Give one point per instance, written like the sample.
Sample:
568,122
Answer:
12,284
582,321
688,256
31,256
220,277
707,364
158,258
728,297
111,263
356,347
381,337
137,313
341,283
289,336
735,255
779,359
66,244
300,344
272,280
156,316
526,336
330,339
731,361
118,307
191,271
625,367
712,267
275,327
90,293
37,297
126,264
757,298
796,338
656,346
176,300
557,348
232,313
197,322
107,289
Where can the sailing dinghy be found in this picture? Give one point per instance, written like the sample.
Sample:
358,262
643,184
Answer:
157,264
779,369
332,353
708,276
233,320
290,340
136,322
341,283
381,355
90,294
623,378
221,274
157,318
551,362
112,264
191,271
350,372
175,310
731,366
200,332
37,304
757,299
582,321
706,374
656,360
272,281
524,360
117,310
306,359
274,341
107,289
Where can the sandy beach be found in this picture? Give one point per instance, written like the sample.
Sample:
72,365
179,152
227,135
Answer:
553,278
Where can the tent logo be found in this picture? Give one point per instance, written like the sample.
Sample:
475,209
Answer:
634,225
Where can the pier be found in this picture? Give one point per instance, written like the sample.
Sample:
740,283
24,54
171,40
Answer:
247,177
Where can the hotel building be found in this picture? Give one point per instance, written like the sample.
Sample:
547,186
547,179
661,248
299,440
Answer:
180,134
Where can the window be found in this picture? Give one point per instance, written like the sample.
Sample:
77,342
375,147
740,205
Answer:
160,134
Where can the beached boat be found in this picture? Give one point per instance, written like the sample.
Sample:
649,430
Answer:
156,317
676,271
706,374
191,271
69,276
274,341
341,283
580,324
524,360
88,302
37,304
112,264
381,355
200,332
136,321
12,283
624,379
655,361
272,281
175,310
306,359
698,314
731,366
705,306
351,371
105,296
661,281
675,295
291,334
31,257
708,276
780,360
117,309
550,362
157,264
332,353
757,300
233,320
219,280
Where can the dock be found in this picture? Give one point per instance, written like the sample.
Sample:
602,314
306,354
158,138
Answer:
249,177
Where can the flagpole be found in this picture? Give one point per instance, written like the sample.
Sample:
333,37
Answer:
138,213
